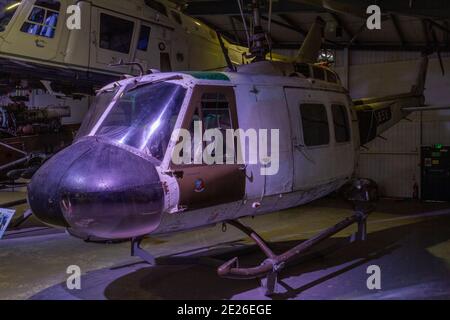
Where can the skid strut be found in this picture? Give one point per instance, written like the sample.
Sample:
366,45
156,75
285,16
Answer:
270,268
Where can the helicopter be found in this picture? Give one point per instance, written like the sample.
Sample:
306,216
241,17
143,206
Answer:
39,51
120,180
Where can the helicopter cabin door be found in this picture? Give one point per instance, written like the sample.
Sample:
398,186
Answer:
37,31
113,38
311,138
203,185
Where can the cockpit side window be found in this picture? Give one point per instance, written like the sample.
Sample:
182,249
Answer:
7,10
43,19
214,112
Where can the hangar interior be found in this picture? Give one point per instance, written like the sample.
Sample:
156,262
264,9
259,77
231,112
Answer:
410,224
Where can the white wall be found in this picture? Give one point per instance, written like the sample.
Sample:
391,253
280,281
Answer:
395,163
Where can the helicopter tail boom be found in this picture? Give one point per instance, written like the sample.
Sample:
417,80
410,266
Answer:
377,115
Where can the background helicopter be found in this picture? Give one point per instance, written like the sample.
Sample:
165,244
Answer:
119,181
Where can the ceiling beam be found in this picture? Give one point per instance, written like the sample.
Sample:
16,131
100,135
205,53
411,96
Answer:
284,25
398,28
230,7
369,47
293,24
443,28
344,27
438,9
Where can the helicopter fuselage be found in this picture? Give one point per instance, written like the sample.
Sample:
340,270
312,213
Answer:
119,180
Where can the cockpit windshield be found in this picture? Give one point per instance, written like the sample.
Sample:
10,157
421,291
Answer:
7,10
98,107
144,117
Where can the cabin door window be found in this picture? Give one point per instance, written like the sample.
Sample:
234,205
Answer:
341,123
316,131
311,139
114,37
212,176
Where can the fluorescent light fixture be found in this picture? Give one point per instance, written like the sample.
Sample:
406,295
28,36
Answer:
198,23
15,5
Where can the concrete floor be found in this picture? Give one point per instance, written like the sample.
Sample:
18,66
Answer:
410,241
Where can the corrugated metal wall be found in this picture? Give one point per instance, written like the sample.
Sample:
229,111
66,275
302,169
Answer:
394,163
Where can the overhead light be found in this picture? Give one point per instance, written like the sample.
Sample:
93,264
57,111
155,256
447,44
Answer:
198,23
15,5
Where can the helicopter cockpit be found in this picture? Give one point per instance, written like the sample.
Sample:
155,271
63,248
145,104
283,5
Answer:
142,116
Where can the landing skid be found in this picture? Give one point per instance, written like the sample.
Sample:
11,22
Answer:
268,271
137,251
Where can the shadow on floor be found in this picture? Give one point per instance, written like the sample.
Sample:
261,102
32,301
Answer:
402,253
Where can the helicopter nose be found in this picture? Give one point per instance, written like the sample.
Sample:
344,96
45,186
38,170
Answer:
105,191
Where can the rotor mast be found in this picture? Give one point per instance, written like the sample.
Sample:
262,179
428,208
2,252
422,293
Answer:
259,46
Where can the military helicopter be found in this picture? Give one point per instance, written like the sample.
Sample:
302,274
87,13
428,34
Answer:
38,50
119,179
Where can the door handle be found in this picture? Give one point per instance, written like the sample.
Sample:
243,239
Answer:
40,43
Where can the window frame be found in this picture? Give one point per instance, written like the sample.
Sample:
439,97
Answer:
348,120
325,108
195,107
132,37
42,24
147,46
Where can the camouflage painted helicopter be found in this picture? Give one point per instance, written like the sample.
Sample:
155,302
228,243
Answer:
118,180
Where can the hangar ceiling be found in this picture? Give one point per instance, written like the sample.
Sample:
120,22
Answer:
407,24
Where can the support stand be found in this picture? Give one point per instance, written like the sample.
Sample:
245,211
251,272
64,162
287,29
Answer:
137,251
27,214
